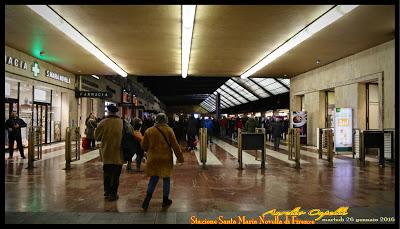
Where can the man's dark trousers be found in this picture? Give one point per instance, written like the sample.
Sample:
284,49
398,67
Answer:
111,179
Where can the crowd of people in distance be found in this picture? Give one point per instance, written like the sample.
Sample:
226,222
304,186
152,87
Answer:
187,128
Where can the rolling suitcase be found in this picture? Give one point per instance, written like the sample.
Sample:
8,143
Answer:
85,143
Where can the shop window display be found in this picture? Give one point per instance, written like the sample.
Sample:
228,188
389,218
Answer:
11,102
25,109
56,116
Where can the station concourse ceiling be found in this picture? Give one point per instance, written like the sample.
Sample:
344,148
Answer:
145,40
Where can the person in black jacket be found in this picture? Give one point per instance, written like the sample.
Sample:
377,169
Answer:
192,128
276,131
14,125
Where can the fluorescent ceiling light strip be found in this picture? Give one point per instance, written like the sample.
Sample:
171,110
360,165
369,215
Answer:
49,15
325,20
188,14
94,76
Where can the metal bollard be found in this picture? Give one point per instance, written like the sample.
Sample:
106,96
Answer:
321,145
263,154
297,149
31,148
77,143
353,140
290,144
362,150
39,154
240,148
330,147
203,145
257,131
292,141
67,148
263,150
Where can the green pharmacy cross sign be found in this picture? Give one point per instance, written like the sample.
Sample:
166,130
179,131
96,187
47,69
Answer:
35,69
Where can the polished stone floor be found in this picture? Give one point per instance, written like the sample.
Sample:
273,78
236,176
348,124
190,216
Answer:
220,187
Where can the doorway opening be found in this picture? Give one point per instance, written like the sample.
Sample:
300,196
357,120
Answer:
10,106
330,108
372,104
41,118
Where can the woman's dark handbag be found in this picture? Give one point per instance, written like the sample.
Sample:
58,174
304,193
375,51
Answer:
128,143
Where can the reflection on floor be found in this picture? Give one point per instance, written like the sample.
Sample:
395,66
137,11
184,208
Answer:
219,187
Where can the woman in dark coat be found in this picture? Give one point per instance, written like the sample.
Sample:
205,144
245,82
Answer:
91,125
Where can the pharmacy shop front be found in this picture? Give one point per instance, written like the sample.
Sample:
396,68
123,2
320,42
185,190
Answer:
41,94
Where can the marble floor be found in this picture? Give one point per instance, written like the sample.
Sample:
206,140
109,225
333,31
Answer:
218,187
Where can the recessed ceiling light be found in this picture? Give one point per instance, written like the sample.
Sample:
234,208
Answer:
325,20
188,14
318,61
49,15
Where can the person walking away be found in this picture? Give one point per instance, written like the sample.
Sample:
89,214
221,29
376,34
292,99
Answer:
238,125
251,124
147,123
215,124
231,128
276,130
109,132
191,132
91,125
223,123
285,128
208,123
157,142
14,125
137,148
184,125
250,127
267,125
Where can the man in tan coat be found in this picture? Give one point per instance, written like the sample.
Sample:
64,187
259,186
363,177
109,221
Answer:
109,132
157,142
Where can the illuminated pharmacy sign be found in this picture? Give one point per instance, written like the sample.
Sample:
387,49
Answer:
93,94
343,129
57,76
16,62
35,69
